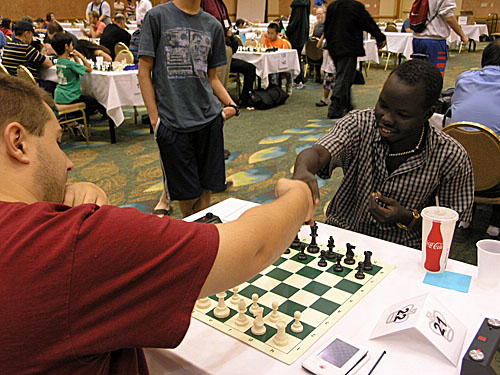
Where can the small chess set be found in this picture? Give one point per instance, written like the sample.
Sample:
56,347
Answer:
256,49
287,307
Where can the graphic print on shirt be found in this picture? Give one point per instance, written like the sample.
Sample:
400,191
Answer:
61,78
186,53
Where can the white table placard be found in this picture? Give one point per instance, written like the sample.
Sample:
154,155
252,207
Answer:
425,316
462,20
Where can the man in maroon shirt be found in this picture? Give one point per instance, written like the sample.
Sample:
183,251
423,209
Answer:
84,287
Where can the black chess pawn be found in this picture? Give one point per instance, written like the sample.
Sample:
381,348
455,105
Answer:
302,255
367,263
349,257
360,275
338,267
322,261
296,242
331,244
287,251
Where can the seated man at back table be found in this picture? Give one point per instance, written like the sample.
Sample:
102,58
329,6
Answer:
114,33
84,288
476,99
394,162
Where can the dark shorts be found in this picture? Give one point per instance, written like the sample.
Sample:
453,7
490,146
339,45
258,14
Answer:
193,161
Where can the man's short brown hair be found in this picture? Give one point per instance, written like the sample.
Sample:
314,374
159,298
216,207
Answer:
120,17
93,13
22,102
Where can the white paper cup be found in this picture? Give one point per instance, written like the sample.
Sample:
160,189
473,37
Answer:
488,262
99,60
441,221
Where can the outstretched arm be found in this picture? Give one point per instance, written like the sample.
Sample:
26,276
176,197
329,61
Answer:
259,236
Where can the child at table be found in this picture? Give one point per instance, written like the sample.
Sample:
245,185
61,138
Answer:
68,89
272,40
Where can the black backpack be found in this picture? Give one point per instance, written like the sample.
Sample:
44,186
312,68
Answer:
271,97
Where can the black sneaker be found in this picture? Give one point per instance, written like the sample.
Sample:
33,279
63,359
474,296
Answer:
226,154
462,234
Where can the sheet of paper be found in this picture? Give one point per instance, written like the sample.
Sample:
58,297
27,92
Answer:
449,280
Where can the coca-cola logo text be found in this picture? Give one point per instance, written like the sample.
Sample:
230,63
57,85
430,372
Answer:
435,245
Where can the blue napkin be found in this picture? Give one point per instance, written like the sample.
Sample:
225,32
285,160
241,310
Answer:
449,280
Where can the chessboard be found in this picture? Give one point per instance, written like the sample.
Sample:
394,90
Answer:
299,281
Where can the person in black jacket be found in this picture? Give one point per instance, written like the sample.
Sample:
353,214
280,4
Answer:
344,25
115,33
297,31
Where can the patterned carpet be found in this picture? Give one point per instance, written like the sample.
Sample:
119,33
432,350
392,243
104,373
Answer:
263,145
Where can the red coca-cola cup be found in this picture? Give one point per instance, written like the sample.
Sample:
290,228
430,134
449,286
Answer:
438,225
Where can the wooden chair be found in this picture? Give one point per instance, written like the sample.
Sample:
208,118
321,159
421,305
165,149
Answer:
483,147
63,109
125,56
314,55
252,42
238,39
3,69
120,47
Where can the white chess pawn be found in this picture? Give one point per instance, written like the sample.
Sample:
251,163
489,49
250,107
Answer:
221,310
274,316
242,319
297,326
255,305
281,338
258,327
235,299
203,303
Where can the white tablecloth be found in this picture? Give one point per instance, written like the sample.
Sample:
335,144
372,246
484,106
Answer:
113,90
371,51
472,31
399,43
205,350
284,60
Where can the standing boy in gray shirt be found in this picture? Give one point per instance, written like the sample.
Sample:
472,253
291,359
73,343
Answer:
182,46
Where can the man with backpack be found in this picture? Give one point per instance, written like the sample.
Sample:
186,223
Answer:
431,21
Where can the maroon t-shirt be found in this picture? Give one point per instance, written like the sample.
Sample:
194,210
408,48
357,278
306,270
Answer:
81,289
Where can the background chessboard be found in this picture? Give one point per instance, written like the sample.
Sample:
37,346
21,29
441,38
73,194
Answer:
320,294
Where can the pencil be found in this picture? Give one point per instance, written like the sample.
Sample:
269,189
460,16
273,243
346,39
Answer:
376,363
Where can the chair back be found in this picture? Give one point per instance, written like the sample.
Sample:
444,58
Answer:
3,69
252,42
238,39
288,44
25,74
120,46
125,56
391,29
312,51
483,147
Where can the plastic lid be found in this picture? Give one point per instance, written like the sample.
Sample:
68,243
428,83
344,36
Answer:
439,214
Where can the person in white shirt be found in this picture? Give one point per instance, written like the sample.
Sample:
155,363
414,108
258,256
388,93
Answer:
102,7
141,8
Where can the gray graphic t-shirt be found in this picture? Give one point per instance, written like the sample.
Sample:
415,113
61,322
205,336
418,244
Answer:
184,47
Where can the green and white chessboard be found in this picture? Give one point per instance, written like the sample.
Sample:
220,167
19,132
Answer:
320,294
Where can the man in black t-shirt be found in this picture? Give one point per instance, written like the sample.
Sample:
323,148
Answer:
115,33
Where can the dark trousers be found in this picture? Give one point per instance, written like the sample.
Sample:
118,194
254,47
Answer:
492,193
91,105
300,77
48,86
341,93
248,71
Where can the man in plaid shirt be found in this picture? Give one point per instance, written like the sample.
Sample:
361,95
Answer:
394,162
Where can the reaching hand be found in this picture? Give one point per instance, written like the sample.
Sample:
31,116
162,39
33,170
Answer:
310,180
84,192
393,212
382,44
284,185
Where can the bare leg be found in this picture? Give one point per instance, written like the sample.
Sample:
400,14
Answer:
326,94
163,203
192,206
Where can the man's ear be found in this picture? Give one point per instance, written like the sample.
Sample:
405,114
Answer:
15,138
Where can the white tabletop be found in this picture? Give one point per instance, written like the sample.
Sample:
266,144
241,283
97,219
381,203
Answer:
472,31
205,350
113,90
371,54
399,43
283,60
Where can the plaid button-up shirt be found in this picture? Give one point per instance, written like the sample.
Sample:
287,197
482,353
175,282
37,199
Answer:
442,169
